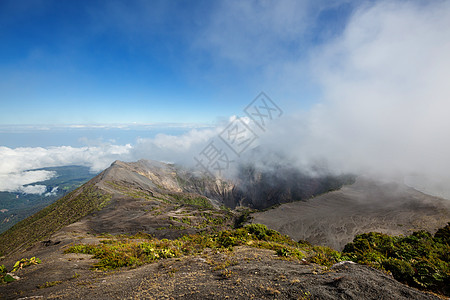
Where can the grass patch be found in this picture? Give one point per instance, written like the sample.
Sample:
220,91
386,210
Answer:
130,251
195,200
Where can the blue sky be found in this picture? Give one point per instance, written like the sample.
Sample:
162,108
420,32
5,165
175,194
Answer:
363,84
91,62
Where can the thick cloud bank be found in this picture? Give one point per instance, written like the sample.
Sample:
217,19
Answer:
386,97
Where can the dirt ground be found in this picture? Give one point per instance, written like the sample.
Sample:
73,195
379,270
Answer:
333,219
244,273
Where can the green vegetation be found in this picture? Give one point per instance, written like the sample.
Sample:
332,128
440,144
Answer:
4,276
325,256
195,200
184,220
419,260
121,251
65,211
23,263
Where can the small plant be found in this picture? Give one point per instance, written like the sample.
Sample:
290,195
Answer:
305,295
224,265
49,284
283,252
325,256
226,273
4,276
25,262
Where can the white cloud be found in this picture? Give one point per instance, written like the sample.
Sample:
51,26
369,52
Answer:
15,182
33,189
386,90
178,149
15,163
52,192
97,158
386,98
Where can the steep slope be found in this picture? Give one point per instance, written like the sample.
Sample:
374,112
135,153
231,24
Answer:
147,197
63,212
333,219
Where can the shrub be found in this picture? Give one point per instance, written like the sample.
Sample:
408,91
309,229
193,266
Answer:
259,230
443,235
324,256
283,252
400,269
419,259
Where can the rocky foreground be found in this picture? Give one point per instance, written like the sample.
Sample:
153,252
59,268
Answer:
244,273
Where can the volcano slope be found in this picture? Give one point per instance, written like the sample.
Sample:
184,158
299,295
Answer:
335,218
158,201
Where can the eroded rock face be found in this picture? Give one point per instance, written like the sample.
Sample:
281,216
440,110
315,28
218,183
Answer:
251,188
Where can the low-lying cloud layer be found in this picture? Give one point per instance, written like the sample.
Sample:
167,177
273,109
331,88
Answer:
16,163
19,181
